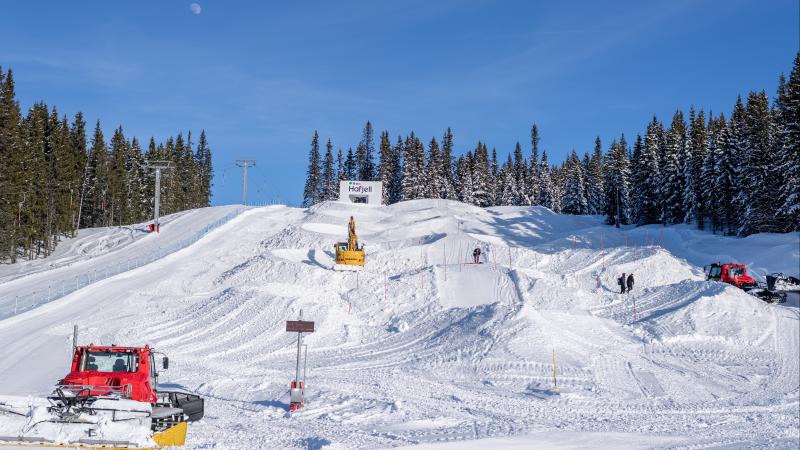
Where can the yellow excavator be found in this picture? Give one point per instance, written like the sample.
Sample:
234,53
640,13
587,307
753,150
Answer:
349,256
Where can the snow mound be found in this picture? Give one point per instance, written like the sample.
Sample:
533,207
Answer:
422,346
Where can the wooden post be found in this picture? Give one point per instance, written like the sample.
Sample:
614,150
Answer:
74,337
555,381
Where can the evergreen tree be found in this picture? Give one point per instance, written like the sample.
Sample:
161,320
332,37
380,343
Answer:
365,166
521,176
341,168
413,169
546,183
533,182
508,193
672,179
693,203
449,191
494,180
311,192
435,183
350,167
386,167
595,195
789,152
396,178
574,197
330,185
206,168
763,179
480,176
710,179
617,182
647,179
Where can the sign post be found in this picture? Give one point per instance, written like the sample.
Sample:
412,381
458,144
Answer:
297,387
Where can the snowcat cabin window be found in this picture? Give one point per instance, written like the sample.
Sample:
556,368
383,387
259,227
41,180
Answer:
715,272
343,246
734,272
111,362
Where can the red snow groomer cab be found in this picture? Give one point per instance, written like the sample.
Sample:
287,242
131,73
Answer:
128,373
736,274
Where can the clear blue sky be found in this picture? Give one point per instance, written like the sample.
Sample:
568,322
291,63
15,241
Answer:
261,76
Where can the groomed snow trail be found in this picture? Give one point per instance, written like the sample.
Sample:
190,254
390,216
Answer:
420,348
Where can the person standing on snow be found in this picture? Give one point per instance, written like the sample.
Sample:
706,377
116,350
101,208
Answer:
629,282
476,255
621,282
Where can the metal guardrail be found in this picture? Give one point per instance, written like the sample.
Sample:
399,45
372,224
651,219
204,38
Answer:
56,289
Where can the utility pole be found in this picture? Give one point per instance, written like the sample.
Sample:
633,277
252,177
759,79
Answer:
157,167
244,164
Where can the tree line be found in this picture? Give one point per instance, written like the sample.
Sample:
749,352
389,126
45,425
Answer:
54,181
735,176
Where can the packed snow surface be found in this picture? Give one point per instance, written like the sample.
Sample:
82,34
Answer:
534,347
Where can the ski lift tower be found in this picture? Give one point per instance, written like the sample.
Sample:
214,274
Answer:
157,167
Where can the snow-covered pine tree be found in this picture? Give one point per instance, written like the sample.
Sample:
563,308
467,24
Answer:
789,151
350,168
694,204
712,193
396,184
533,183
341,169
763,178
448,166
330,185
672,180
574,196
557,187
434,183
648,181
595,196
206,169
386,160
521,176
508,194
413,168
617,182
311,192
365,155
494,179
480,176
546,182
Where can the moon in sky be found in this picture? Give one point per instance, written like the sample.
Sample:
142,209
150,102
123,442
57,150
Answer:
195,7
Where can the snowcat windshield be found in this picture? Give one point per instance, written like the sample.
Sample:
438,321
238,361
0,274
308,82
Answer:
111,362
734,272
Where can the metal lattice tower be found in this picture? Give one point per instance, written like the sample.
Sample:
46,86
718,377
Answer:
157,167
244,164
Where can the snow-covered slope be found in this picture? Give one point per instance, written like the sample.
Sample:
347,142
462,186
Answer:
420,348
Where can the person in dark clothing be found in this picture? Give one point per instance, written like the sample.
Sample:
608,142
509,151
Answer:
621,282
476,255
629,282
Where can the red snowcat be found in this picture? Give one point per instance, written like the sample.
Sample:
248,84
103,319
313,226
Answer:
109,391
736,274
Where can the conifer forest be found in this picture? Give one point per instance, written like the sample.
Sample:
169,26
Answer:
55,178
735,175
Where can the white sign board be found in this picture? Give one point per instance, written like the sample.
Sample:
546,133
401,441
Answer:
369,192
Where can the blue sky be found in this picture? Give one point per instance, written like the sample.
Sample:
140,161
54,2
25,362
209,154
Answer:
261,76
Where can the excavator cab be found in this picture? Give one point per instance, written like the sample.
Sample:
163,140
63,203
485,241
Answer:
349,255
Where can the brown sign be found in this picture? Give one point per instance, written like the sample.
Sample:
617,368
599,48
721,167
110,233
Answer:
299,326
